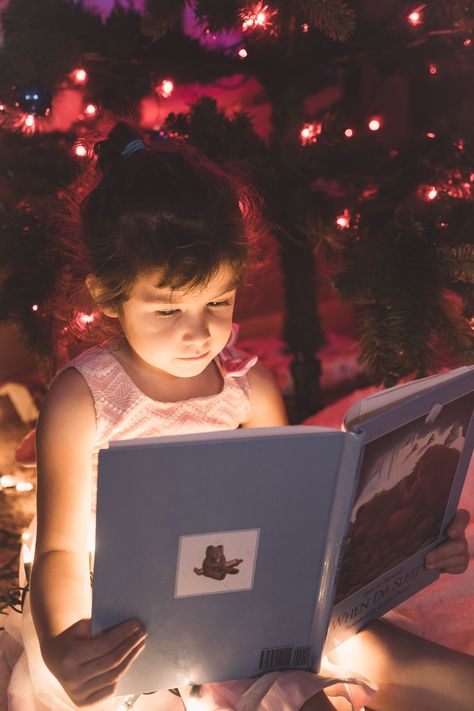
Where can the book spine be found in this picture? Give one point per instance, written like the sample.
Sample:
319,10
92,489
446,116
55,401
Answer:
341,509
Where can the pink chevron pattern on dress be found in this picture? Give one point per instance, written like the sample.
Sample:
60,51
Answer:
123,411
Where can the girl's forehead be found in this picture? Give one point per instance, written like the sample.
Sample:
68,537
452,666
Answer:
149,286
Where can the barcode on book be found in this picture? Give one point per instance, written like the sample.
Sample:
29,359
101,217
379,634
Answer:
274,658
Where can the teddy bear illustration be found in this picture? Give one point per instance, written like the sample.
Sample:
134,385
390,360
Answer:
216,566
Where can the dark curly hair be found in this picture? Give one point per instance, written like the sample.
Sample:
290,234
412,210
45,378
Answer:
165,208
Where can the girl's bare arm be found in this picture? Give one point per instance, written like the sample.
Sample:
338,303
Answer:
87,668
266,402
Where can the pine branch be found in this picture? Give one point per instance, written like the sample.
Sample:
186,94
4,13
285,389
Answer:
218,14
161,16
335,18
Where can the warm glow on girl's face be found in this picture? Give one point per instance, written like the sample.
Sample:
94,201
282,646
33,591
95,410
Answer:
179,332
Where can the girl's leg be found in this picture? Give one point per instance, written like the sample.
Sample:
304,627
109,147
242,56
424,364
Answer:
412,672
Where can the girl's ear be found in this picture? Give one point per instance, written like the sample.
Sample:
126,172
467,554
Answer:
95,290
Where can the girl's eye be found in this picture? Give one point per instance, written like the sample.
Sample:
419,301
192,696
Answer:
226,302
166,313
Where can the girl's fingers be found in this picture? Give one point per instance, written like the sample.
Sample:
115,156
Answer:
449,557
113,659
125,633
459,523
109,679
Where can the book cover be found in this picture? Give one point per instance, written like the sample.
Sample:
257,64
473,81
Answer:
225,545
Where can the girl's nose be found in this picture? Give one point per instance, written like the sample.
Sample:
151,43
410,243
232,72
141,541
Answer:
196,331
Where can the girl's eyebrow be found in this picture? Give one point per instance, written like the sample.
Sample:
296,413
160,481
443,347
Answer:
169,296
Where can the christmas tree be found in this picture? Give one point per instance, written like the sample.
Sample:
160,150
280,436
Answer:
369,154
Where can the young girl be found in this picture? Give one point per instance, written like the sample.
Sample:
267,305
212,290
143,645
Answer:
165,239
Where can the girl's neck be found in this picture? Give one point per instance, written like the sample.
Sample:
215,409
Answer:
159,385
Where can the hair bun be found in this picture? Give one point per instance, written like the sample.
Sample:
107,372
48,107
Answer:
109,151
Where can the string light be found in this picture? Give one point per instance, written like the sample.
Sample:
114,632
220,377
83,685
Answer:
85,319
242,53
343,221
309,133
2,107
30,121
79,76
431,193
24,486
430,134
7,481
80,149
433,69
467,42
35,307
166,88
375,123
349,132
91,110
257,17
305,27
415,18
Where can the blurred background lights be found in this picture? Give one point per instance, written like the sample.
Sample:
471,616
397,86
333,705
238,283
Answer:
375,123
166,88
79,76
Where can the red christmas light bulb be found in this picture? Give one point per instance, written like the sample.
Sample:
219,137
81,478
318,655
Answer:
375,123
91,110
79,76
343,221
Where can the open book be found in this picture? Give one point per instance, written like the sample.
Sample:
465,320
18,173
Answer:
247,551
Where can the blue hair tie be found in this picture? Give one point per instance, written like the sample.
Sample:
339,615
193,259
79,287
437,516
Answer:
132,147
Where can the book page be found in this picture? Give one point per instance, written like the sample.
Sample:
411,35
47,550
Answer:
410,481
385,399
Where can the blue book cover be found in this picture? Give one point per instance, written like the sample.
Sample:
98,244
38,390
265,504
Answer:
233,547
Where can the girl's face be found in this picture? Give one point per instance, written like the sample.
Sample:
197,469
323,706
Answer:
179,332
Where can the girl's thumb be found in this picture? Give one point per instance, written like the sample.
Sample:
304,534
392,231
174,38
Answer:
81,629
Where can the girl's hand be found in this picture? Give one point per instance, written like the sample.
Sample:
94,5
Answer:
88,668
453,555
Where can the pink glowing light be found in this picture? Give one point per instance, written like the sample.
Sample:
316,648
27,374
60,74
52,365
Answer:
310,132
85,319
80,149
431,193
305,27
35,307
165,88
79,76
30,121
467,42
430,134
375,123
257,17
242,53
415,18
433,69
91,110
349,132
343,221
